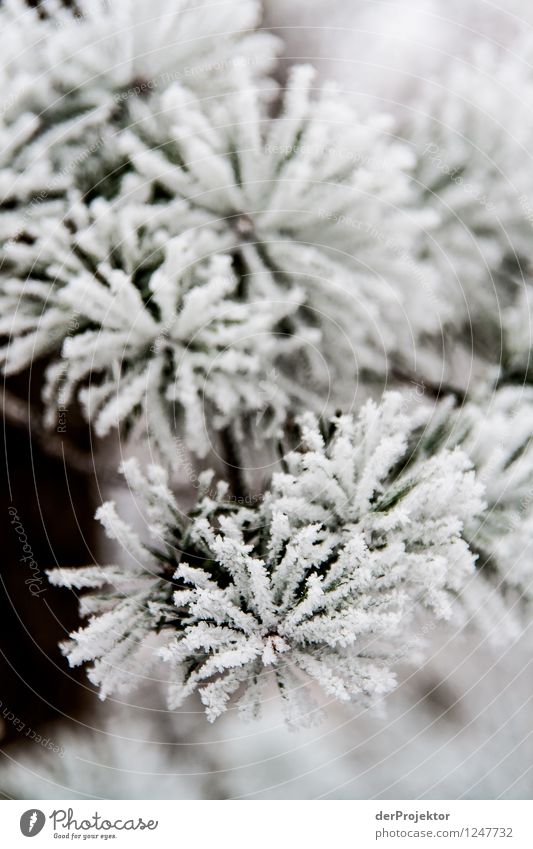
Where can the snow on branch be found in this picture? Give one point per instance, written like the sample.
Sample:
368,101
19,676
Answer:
321,581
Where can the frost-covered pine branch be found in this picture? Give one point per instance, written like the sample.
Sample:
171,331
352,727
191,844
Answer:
321,581
144,324
316,196
68,80
470,129
70,84
301,217
187,252
495,430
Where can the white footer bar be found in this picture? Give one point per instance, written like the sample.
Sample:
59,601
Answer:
268,824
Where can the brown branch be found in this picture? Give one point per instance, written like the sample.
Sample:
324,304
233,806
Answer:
232,463
434,390
18,413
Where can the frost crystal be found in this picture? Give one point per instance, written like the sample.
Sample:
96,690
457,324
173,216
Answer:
471,130
495,431
315,240
68,82
315,197
148,324
190,254
319,582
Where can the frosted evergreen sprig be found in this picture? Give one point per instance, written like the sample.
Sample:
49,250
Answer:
321,581
316,196
471,133
145,325
302,219
368,475
69,79
495,430
71,83
187,253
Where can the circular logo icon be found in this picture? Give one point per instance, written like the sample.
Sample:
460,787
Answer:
32,822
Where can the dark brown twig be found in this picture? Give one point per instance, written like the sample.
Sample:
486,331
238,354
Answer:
232,462
18,413
434,390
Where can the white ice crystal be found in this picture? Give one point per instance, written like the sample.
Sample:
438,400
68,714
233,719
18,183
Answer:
315,196
470,128
187,252
495,431
127,603
319,235
319,582
68,80
319,232
147,324
367,478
